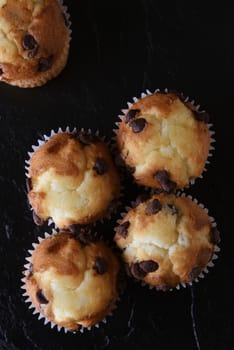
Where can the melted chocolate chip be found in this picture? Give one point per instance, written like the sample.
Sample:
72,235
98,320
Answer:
100,166
131,115
122,229
201,116
45,63
214,235
100,265
138,125
28,184
1,71
149,266
162,176
137,272
195,273
37,220
86,138
141,199
33,52
173,209
153,207
41,297
29,42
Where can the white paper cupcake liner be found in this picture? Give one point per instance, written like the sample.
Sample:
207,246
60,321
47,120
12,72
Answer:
67,129
40,316
186,100
210,264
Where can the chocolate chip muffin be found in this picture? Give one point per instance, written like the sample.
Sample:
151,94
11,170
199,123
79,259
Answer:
164,141
72,180
72,281
166,241
34,41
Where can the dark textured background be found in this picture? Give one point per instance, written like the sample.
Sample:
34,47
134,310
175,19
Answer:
118,50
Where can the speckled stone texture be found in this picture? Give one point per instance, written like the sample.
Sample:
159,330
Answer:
118,50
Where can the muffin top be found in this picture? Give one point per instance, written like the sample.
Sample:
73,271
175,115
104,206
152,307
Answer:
73,180
71,283
166,240
164,141
34,41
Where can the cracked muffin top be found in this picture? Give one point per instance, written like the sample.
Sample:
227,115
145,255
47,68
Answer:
34,41
164,141
166,240
73,282
72,180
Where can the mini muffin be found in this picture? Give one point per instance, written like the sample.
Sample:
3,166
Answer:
72,281
166,240
72,180
164,141
34,41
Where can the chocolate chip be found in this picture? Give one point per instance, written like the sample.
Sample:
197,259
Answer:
138,125
100,265
153,207
195,273
37,220
137,272
119,161
131,115
173,209
100,166
162,176
149,266
45,63
86,138
28,184
33,52
113,206
141,199
1,71
201,116
214,235
41,297
122,229
29,42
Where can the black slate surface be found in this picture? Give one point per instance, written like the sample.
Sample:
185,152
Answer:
118,50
